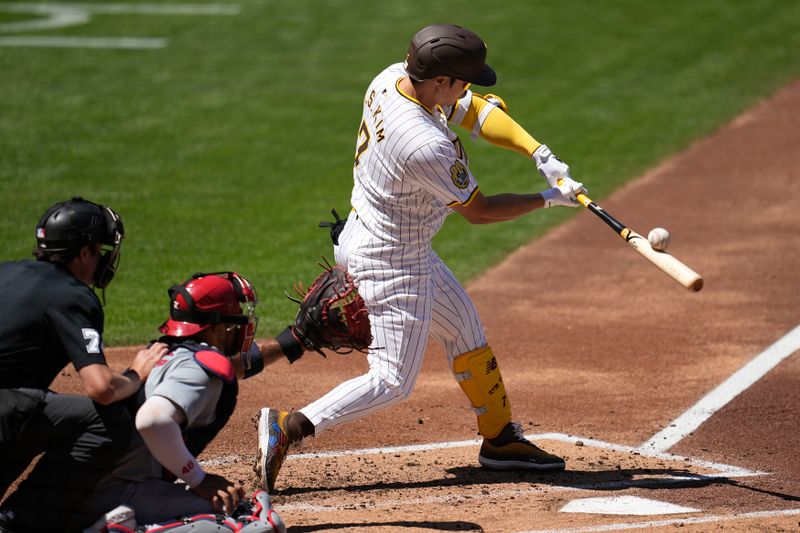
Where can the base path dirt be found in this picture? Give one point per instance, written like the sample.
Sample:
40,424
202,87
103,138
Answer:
599,352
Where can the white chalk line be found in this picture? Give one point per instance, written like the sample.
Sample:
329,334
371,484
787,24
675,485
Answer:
723,470
672,522
737,383
42,8
59,16
56,18
119,43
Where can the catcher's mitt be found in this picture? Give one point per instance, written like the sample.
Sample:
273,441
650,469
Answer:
332,314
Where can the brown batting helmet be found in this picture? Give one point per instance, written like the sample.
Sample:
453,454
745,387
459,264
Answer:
449,50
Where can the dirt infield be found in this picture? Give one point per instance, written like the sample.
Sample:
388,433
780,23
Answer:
600,352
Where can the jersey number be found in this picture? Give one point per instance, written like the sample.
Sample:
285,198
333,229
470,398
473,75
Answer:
363,141
93,337
187,467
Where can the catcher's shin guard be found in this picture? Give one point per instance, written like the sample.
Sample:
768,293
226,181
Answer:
479,377
268,520
255,516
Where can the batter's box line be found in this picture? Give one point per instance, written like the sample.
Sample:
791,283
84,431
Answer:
722,470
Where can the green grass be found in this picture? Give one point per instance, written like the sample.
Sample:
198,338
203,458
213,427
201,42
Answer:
224,150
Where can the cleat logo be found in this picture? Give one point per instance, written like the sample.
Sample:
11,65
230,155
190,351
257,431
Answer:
491,365
276,435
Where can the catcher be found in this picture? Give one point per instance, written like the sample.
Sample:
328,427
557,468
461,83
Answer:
191,394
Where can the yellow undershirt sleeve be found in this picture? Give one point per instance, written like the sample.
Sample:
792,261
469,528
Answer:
494,125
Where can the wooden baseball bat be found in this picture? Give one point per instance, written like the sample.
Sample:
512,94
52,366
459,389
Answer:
664,261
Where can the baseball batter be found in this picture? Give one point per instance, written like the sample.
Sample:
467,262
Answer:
410,172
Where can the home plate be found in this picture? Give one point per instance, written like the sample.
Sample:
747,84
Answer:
629,505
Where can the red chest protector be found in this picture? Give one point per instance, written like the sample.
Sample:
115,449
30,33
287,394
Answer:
216,364
219,366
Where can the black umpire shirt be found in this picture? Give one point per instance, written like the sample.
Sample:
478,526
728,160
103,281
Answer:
47,319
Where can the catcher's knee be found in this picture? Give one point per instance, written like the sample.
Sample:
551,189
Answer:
479,377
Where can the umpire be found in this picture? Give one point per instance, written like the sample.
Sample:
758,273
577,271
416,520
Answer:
52,317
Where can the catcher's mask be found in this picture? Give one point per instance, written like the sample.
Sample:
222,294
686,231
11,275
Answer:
67,226
215,298
449,50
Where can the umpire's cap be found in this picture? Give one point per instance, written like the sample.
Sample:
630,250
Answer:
449,50
71,224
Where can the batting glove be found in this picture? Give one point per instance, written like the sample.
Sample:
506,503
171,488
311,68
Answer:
564,193
549,166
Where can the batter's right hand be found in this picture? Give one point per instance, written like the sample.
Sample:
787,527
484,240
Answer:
224,495
146,359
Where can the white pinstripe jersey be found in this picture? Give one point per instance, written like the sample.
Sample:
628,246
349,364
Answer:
409,165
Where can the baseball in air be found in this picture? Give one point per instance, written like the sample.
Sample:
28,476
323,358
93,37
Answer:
658,239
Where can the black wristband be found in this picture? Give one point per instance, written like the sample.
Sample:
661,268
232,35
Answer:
131,373
252,361
290,346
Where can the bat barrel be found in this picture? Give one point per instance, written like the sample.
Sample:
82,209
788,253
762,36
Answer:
667,263
664,261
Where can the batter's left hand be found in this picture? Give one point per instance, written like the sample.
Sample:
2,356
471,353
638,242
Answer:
549,166
565,193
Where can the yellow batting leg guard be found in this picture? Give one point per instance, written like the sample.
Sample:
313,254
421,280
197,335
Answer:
479,377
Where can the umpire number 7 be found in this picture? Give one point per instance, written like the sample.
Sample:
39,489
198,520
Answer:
91,335
363,141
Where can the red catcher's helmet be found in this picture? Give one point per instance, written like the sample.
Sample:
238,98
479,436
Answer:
216,298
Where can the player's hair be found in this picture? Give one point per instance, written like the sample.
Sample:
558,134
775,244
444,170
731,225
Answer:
60,258
417,83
